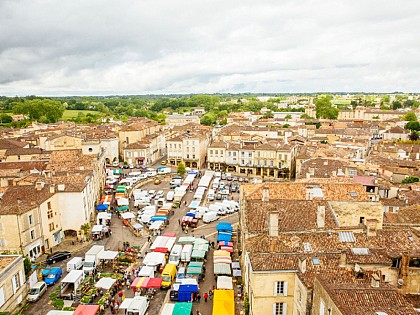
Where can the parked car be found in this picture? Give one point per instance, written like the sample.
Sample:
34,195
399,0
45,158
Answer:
152,193
36,292
158,182
131,166
235,178
163,162
223,176
53,276
219,196
58,256
115,163
241,179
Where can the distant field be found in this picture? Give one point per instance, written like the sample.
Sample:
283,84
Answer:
69,114
341,102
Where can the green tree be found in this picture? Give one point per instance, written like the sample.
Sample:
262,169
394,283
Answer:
208,119
410,116
410,179
396,105
51,110
412,125
414,136
306,116
288,116
5,119
27,265
267,115
181,169
324,108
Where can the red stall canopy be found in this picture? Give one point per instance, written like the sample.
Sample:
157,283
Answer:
86,310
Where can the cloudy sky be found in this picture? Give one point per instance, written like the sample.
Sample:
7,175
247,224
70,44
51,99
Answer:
103,47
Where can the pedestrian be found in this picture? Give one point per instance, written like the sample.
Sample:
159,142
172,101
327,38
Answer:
128,284
179,221
210,294
148,238
198,297
206,296
197,312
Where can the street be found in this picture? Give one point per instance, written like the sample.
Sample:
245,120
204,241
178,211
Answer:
121,234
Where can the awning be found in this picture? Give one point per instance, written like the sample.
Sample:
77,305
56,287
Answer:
169,234
161,250
198,254
237,273
104,215
222,260
224,282
186,239
221,253
190,214
224,243
102,207
123,208
152,283
156,225
86,310
123,202
224,226
223,302
182,308
223,236
127,215
222,269
146,271
105,283
156,218
97,228
137,226
203,247
227,248
126,303
236,265
200,241
108,255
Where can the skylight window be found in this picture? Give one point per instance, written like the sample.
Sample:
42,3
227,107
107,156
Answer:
307,247
353,194
315,261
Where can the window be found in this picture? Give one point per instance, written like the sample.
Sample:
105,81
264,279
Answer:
51,226
216,151
193,156
90,149
50,213
32,235
188,156
279,309
31,219
362,220
49,205
271,163
211,151
1,297
2,242
15,283
280,288
234,153
229,153
321,307
250,154
1,227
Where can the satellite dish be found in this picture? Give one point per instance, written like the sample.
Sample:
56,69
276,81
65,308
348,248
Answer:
400,281
356,267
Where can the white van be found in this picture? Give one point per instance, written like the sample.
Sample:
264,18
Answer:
232,203
199,212
170,196
141,203
138,306
210,217
210,195
217,208
175,254
37,291
186,253
75,263
226,207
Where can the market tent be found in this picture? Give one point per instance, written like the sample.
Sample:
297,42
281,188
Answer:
118,172
154,259
235,265
123,202
156,218
102,207
227,248
198,254
128,215
221,253
237,272
185,291
152,283
146,271
194,268
168,309
186,239
190,214
182,308
137,226
97,228
105,283
108,255
224,282
223,243
123,208
120,190
194,204
126,303
223,302
169,234
224,236
200,241
104,215
203,247
224,226
156,225
222,260
222,269
86,310
134,284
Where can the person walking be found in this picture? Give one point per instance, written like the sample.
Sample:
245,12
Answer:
206,296
179,221
198,297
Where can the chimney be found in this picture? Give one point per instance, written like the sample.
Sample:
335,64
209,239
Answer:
371,227
266,193
302,264
405,260
320,217
309,194
376,280
39,185
273,222
52,188
334,173
343,258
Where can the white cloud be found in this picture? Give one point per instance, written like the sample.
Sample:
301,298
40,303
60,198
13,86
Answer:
156,46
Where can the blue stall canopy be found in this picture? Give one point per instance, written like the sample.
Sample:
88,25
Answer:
223,236
102,207
190,214
224,226
158,218
194,204
185,291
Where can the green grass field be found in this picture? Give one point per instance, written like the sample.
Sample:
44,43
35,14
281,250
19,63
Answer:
69,114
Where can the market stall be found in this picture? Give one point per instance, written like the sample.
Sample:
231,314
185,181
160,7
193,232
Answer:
86,310
105,283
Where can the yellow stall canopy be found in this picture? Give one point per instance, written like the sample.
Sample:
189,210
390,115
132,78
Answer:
224,302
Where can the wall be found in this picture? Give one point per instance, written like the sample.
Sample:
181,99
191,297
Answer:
13,295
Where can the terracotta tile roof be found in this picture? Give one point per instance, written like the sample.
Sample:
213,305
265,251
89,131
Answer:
6,260
218,144
410,214
20,199
11,144
25,165
322,168
138,145
65,160
25,151
362,298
